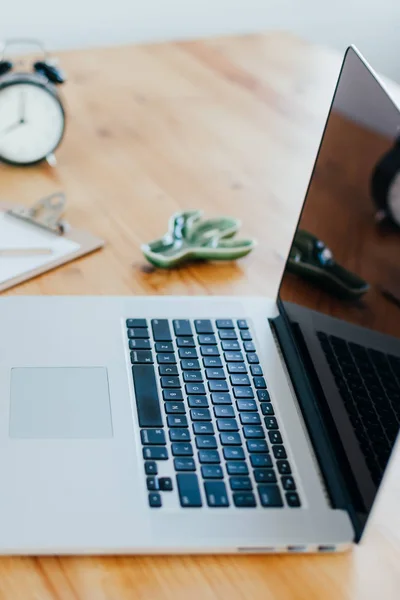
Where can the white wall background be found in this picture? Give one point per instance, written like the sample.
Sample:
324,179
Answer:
373,25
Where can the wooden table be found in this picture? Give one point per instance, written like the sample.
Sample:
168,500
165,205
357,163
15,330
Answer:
231,126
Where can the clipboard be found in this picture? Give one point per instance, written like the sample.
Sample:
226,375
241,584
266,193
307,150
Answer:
38,227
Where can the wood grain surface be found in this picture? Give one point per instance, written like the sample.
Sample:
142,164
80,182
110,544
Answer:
230,126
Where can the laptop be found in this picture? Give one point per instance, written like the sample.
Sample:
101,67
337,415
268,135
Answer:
206,425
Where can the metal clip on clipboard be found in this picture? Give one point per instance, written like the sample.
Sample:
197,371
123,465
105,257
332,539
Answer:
45,213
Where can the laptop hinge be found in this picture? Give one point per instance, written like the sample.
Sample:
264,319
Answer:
314,420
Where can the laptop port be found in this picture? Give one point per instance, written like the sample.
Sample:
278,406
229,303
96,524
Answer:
297,548
326,548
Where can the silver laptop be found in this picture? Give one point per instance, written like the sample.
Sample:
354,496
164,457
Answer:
176,425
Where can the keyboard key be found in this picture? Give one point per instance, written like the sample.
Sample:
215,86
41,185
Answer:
264,476
240,483
200,414
240,380
233,357
253,431
209,339
260,383
263,396
225,324
141,357
155,500
185,342
187,353
150,467
237,368
242,324
168,370
228,334
216,494
212,472
177,421
166,359
174,408
283,467
279,452
293,500
215,385
203,326
221,398
271,423
261,461
173,395
244,499
179,435
188,489
182,327
288,483
233,453
227,425
190,376
270,495
246,336
139,344
198,402
249,346
209,456
164,347
152,483
138,334
275,437
230,439
212,361
246,405
215,374
184,464
195,389
161,331
267,408
155,453
224,411
201,428
229,346
252,358
250,419
181,449
153,437
237,468
203,442
170,382
257,446
146,393
190,364
256,370
133,323
165,484
209,350
243,392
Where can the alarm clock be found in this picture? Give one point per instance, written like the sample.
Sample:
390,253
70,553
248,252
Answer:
385,186
32,117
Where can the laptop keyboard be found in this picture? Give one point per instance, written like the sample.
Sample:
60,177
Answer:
369,383
204,407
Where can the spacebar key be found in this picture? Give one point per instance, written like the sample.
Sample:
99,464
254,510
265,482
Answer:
147,402
189,491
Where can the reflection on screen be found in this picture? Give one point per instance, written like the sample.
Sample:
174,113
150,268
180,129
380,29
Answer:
342,262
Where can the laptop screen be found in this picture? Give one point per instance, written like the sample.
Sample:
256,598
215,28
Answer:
345,256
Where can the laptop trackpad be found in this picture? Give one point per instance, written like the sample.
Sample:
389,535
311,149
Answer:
71,402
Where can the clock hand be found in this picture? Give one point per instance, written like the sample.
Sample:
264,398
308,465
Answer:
10,128
22,107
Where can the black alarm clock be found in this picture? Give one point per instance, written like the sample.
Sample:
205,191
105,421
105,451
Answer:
32,117
385,186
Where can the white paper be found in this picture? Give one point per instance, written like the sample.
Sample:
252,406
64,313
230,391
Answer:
17,234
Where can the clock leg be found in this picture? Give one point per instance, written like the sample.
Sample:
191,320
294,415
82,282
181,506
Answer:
51,160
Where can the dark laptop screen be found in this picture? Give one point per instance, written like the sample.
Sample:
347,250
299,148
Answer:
345,263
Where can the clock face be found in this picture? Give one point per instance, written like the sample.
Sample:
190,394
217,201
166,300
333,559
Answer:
31,123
